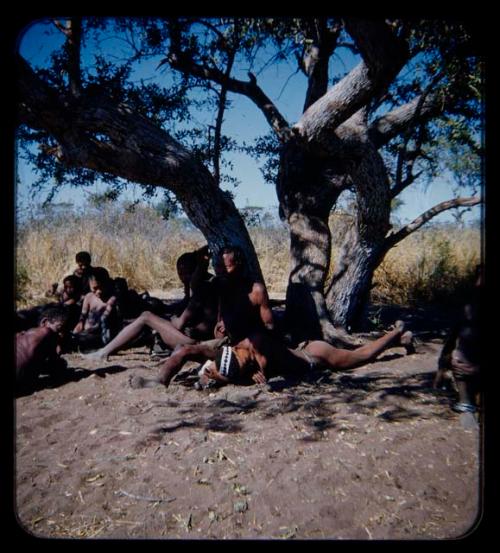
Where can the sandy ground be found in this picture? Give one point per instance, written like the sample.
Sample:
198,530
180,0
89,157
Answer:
372,453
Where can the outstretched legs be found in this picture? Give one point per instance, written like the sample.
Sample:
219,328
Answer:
339,359
170,367
169,334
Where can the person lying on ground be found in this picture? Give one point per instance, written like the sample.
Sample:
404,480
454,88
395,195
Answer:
261,356
38,349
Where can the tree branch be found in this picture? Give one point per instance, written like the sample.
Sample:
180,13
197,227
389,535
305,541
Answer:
383,57
396,237
183,62
73,32
314,62
220,118
97,134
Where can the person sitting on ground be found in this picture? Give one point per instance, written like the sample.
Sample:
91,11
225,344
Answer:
186,266
257,357
82,272
243,302
461,352
99,320
38,349
70,297
195,324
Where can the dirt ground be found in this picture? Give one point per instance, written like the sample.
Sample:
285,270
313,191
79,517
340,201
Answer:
373,453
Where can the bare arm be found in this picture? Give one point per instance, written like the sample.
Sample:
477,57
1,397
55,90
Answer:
182,320
261,298
83,315
110,304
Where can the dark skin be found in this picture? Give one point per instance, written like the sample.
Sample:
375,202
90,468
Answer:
244,305
460,352
36,347
199,315
259,356
243,310
97,305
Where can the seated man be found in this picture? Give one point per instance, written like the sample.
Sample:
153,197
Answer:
99,321
258,356
243,302
37,349
196,323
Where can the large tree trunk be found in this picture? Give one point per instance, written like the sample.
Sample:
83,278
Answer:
363,246
308,187
99,135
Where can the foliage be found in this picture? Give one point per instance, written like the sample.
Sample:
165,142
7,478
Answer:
444,61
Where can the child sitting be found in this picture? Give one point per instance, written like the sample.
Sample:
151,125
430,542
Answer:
99,320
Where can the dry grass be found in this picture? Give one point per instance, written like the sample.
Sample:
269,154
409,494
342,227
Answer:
143,248
432,265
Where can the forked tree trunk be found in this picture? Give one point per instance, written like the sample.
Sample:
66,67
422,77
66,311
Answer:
307,190
363,246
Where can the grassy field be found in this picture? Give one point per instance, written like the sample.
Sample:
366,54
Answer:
431,265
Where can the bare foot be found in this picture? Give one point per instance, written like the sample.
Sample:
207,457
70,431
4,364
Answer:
406,340
95,356
399,326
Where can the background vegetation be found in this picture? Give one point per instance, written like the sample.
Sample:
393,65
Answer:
138,243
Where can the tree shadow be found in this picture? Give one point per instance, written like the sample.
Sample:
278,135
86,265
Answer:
66,376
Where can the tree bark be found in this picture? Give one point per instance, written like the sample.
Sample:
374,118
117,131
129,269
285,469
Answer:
99,135
363,245
308,187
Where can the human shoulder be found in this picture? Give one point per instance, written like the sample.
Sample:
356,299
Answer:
36,334
259,291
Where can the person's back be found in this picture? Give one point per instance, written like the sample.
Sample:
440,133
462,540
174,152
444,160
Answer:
199,317
36,348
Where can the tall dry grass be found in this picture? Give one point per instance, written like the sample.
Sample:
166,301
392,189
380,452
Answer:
142,247
431,265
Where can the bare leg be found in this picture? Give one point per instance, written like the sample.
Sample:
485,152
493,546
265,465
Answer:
174,364
340,359
169,334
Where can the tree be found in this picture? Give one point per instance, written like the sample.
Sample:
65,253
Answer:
375,132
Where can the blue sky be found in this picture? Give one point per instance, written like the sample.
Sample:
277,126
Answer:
244,122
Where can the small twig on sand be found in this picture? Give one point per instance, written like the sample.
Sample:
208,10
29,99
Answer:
144,498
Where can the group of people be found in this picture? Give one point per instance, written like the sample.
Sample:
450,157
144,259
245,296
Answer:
224,322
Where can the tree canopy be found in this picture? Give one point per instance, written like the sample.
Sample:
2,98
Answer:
387,104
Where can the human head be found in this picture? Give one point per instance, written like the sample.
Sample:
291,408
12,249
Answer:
227,363
99,281
72,288
231,259
54,317
83,259
186,266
